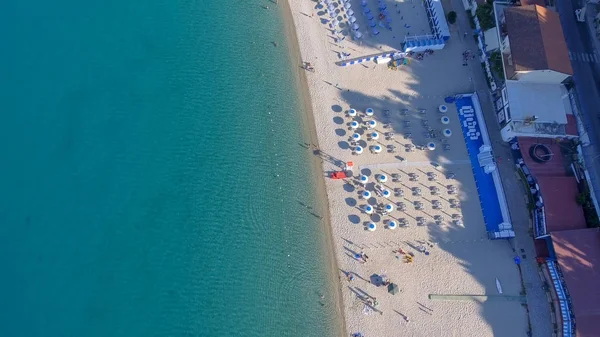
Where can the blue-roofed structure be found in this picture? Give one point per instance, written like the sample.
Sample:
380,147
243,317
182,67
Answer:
489,186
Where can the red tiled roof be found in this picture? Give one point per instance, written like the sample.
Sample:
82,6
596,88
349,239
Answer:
578,255
533,2
562,210
536,39
571,129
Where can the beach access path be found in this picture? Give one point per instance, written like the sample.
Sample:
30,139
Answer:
461,260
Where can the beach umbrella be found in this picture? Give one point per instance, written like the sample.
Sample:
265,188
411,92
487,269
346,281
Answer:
366,194
443,109
358,150
377,148
372,226
386,193
389,208
369,112
431,146
392,224
356,136
363,3
375,135
331,7
374,31
385,12
369,209
366,10
354,125
445,120
372,23
382,178
352,19
364,179
352,112
355,26
393,288
370,17
347,5
382,6
335,22
357,35
350,12
447,132
372,124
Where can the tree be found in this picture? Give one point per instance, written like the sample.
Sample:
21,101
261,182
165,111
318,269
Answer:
452,17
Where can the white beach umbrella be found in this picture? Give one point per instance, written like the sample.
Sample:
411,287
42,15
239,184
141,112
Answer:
431,146
368,209
332,14
366,194
347,5
331,7
377,149
364,179
372,124
350,12
352,19
386,193
355,26
354,125
392,224
382,178
445,120
447,132
389,208
369,112
443,109
372,226
352,112
358,150
335,22
375,135
357,35
356,136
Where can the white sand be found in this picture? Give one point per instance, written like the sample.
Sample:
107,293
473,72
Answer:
462,261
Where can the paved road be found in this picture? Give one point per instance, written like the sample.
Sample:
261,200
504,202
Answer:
586,65
537,303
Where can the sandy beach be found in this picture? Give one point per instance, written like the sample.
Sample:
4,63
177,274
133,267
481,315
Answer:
454,265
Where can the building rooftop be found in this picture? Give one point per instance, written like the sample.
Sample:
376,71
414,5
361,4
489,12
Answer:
538,107
536,39
561,208
578,255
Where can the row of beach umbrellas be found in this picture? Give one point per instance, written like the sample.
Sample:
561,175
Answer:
369,112
356,137
371,124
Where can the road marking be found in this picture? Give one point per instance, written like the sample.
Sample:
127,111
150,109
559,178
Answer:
585,57
570,56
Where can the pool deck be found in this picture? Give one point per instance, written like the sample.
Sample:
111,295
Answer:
489,185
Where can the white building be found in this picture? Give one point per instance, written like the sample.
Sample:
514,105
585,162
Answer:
535,102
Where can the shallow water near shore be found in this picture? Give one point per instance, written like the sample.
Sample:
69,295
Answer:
155,177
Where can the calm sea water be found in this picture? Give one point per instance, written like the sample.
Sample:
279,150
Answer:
152,179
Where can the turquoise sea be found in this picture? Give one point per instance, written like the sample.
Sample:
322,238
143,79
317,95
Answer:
153,182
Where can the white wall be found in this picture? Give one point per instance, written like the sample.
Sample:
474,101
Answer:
541,76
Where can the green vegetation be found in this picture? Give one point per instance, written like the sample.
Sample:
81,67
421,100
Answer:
485,14
496,63
582,198
452,17
531,203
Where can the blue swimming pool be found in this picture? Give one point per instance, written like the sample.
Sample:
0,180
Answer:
488,196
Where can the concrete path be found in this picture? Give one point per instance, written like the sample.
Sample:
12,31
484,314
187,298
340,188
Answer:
538,306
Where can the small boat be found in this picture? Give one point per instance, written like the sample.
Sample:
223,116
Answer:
498,286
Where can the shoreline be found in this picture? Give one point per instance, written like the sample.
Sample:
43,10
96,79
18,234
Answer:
317,165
